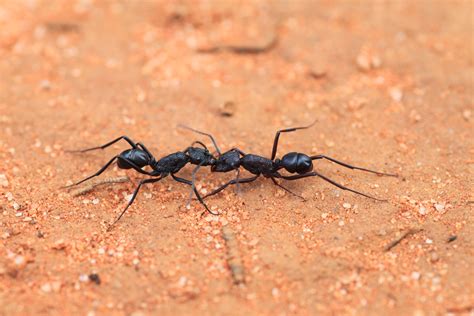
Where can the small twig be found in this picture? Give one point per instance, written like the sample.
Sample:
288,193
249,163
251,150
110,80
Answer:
240,49
462,309
234,259
452,238
395,242
89,187
62,27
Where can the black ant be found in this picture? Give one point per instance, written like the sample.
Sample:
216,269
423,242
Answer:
292,162
139,156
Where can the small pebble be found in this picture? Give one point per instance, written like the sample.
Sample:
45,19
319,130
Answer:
94,277
346,205
466,114
3,180
439,207
46,287
396,94
422,210
84,278
59,244
415,275
434,257
228,109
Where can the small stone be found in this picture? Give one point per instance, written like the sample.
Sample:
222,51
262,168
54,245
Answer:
324,215
228,109
59,244
224,221
363,62
275,292
415,275
94,277
3,180
466,114
182,281
341,223
422,210
46,287
434,257
396,94
346,205
439,207
83,278
429,241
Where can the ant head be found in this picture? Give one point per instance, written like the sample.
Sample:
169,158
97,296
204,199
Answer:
138,157
296,163
228,161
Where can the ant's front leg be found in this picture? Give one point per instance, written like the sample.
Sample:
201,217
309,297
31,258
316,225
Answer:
128,140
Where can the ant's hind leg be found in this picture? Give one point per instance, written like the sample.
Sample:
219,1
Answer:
128,140
352,167
287,190
340,186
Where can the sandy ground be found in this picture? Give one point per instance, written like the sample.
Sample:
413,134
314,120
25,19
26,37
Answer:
389,82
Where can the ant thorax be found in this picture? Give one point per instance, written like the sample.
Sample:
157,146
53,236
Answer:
200,156
228,161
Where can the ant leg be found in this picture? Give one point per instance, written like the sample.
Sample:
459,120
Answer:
193,186
277,137
95,174
237,189
202,133
128,140
351,167
315,174
195,192
144,149
287,190
243,180
133,198
101,170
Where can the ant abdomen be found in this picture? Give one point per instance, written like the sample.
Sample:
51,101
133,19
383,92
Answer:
139,157
296,163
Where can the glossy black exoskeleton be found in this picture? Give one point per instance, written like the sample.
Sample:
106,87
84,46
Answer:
139,156
298,164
